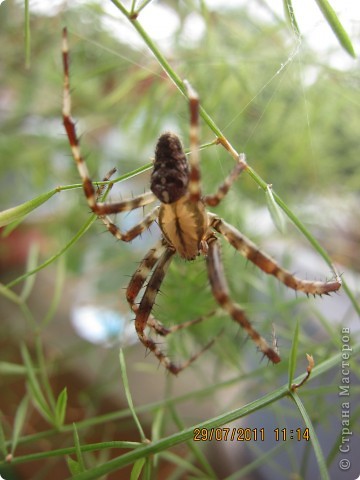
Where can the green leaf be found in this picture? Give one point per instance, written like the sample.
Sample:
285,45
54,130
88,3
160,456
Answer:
19,421
137,468
20,211
275,211
324,474
60,409
336,26
74,466
31,263
289,13
10,227
3,448
79,456
36,393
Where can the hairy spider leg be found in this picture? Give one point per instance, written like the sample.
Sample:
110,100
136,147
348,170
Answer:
156,325
267,264
100,209
214,199
221,293
157,256
101,188
134,231
143,311
194,158
138,280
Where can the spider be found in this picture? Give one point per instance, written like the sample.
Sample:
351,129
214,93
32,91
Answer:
187,228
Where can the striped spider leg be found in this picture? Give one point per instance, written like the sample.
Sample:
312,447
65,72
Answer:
102,209
267,264
158,257
188,230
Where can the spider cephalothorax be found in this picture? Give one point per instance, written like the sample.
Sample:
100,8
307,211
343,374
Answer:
170,175
188,230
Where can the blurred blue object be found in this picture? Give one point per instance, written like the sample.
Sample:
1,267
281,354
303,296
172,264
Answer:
103,326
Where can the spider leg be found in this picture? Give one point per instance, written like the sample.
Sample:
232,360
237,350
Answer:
158,258
221,293
137,282
194,178
110,225
142,272
214,199
143,311
91,194
101,188
249,250
161,330
134,231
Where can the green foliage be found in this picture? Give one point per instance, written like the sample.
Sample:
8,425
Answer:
271,96
336,26
16,214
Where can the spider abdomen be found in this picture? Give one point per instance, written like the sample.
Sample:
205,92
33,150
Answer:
184,224
170,176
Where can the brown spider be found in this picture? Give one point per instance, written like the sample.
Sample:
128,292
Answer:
187,229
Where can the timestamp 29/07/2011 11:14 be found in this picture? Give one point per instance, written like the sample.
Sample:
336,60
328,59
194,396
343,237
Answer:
249,434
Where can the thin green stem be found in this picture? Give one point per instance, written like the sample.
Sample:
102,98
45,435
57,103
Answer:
313,437
59,283
60,452
289,13
44,375
132,8
13,297
143,5
186,434
27,35
53,258
181,437
31,263
129,397
166,65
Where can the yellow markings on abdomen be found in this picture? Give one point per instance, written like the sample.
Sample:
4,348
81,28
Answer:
183,224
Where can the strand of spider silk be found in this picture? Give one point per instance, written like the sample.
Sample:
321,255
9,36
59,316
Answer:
166,66
226,144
